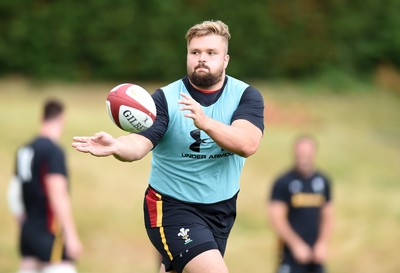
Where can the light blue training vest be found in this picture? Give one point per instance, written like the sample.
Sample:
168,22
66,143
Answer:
187,164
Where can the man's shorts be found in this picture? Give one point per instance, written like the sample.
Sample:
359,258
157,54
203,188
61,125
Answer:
37,241
180,231
288,264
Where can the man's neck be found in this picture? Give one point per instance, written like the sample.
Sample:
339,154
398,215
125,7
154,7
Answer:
305,174
50,130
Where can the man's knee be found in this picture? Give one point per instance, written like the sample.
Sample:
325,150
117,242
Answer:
29,265
59,268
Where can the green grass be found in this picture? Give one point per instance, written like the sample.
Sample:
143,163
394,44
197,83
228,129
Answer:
359,136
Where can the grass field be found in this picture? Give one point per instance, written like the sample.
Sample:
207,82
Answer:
359,136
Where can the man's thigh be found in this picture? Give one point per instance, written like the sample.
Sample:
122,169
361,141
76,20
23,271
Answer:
210,261
179,245
300,268
41,244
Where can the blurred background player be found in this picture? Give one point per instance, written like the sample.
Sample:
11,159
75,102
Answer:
207,124
300,211
39,198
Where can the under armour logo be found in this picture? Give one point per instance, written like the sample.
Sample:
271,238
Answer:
195,146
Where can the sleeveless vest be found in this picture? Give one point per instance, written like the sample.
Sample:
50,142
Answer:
187,164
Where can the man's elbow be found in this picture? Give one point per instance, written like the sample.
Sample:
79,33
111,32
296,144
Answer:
248,150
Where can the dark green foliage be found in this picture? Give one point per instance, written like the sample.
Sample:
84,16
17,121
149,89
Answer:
144,39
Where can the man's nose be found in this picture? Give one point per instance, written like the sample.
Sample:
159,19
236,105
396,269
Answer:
202,57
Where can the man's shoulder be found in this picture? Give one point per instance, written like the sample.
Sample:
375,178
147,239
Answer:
285,177
168,86
47,147
323,175
232,82
40,143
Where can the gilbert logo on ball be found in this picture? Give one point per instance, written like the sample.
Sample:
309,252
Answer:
131,107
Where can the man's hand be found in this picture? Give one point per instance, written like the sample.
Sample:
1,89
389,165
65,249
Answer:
195,111
101,144
73,247
302,252
320,252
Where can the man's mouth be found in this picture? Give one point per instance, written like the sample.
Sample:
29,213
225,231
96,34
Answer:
201,68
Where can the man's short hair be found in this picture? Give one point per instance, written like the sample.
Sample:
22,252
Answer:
208,28
52,109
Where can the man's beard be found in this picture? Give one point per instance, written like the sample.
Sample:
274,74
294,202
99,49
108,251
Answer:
204,80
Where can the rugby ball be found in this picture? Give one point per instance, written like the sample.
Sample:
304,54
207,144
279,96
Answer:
131,107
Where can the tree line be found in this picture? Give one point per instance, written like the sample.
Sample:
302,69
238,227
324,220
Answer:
144,39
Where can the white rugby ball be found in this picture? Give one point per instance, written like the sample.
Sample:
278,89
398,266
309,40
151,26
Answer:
131,107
